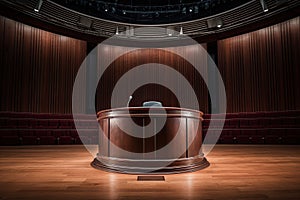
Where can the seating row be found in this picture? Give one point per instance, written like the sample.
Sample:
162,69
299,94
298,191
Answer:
46,123
279,122
228,123
256,136
47,136
14,115
241,128
249,115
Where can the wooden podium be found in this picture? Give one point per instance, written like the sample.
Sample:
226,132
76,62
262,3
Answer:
156,140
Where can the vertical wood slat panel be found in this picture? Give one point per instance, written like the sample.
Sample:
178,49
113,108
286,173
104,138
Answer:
38,68
261,69
135,58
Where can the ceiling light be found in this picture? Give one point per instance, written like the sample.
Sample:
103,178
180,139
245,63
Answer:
264,5
38,6
214,23
181,31
105,8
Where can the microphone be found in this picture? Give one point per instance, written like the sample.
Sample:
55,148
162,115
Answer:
130,97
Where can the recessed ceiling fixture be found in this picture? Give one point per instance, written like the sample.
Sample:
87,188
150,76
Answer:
214,23
85,22
38,6
181,31
105,8
117,31
264,5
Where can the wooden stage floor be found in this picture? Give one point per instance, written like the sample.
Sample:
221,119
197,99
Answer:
236,172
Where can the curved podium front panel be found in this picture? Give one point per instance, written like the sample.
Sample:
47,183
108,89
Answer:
156,140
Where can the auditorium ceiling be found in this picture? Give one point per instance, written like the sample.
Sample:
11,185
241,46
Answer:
97,20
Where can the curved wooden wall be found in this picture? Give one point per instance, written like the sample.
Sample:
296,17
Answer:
38,68
261,69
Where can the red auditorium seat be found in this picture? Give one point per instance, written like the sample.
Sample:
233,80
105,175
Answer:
63,136
63,140
274,114
246,136
43,132
62,116
3,122
23,123
205,123
244,123
66,124
232,115
9,137
226,137
259,137
46,140
28,137
227,140
233,123
45,137
29,140
40,123
292,136
53,124
10,123
60,132
206,116
275,136
42,116
9,140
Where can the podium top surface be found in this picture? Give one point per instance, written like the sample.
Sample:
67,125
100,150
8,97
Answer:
149,112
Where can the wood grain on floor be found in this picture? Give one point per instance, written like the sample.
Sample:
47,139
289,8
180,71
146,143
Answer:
64,172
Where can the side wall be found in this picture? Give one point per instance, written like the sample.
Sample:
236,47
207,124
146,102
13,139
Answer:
261,69
38,68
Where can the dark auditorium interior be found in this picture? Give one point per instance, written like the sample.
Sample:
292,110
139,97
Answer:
61,142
